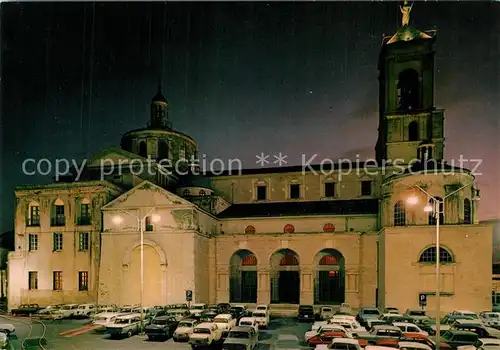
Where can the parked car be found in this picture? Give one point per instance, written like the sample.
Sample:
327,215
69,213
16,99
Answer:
471,314
68,310
366,313
208,315
416,314
184,329
480,330
411,345
161,327
491,319
224,307
249,322
482,343
241,338
262,318
205,335
327,328
179,314
238,311
197,309
459,338
102,320
224,322
7,328
345,309
324,338
306,313
326,313
391,310
85,310
25,310
126,325
262,307
409,327
4,341
370,323
386,331
49,314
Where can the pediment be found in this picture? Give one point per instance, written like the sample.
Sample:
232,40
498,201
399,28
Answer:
147,194
112,157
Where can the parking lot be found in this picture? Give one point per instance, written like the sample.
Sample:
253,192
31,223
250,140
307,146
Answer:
283,333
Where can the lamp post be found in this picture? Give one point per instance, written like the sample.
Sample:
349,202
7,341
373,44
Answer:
437,210
140,223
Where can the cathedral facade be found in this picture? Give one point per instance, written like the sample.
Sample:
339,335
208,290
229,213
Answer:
289,235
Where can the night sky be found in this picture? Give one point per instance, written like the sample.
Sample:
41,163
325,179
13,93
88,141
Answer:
241,79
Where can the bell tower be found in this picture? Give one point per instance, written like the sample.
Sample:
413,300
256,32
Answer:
159,111
410,127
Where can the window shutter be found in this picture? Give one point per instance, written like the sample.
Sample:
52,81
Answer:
54,242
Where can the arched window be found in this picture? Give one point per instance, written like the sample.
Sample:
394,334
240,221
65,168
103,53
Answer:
329,260
329,228
186,192
467,212
429,256
289,260
436,211
399,214
408,90
143,149
289,229
202,193
249,260
249,230
162,149
413,131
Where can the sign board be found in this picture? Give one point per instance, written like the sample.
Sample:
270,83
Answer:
189,295
422,299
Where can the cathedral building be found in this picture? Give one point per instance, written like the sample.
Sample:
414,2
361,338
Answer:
289,235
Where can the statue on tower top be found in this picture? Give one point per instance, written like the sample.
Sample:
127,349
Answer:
405,10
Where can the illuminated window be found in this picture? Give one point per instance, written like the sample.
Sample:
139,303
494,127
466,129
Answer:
83,280
83,241
329,228
289,229
57,280
33,280
202,193
249,230
429,255
249,260
329,260
185,193
399,214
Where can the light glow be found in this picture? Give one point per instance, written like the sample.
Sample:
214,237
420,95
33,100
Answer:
155,218
412,200
428,208
117,220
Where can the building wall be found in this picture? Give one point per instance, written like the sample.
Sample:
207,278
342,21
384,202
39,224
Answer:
463,287
70,260
202,269
264,246
242,189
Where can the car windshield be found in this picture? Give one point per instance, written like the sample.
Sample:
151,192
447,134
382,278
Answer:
305,308
446,335
122,321
492,315
159,322
201,331
261,308
246,323
259,314
185,324
473,316
371,312
239,335
102,319
220,320
417,313
66,307
326,309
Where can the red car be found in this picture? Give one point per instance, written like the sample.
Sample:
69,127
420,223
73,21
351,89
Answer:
417,337
324,338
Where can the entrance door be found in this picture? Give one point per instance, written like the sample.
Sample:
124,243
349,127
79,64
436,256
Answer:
331,287
289,287
249,286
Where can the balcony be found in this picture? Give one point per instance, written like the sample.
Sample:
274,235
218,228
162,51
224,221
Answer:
83,220
33,221
58,220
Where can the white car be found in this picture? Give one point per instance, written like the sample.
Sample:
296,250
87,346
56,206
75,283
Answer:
262,307
102,320
412,345
471,314
197,309
344,344
491,319
224,322
249,322
7,328
481,343
85,310
68,310
262,318
184,329
327,328
410,327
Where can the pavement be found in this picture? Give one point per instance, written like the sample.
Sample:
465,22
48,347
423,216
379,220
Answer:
283,333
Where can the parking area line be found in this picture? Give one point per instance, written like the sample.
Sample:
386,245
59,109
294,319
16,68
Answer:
78,331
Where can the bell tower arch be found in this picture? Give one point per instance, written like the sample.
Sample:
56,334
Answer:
407,115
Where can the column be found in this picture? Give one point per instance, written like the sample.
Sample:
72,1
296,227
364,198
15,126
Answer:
306,285
263,286
222,285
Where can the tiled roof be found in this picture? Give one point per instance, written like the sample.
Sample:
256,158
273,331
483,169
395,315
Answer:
338,207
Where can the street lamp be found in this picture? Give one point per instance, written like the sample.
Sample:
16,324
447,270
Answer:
437,209
117,220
